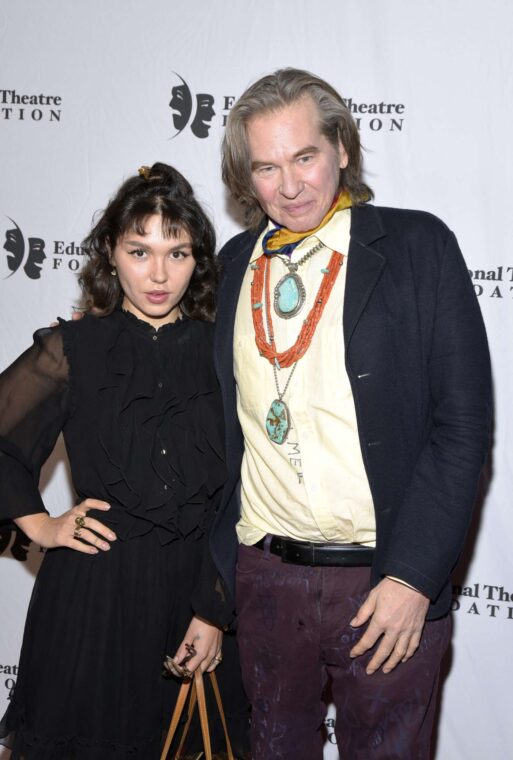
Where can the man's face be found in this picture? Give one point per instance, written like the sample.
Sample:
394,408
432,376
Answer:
295,169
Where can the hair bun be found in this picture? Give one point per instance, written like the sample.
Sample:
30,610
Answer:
166,176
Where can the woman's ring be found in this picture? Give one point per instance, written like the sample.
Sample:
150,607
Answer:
172,667
218,658
80,521
77,533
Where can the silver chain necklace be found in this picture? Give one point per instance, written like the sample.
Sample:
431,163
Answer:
278,421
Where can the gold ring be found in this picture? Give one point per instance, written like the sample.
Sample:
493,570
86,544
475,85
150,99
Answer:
186,673
77,533
80,521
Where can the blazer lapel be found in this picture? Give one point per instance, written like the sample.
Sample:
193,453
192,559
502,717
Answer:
234,268
364,265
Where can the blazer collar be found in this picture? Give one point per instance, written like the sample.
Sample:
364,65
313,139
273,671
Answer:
365,265
366,225
248,240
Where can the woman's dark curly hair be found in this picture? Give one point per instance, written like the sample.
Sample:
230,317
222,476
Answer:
159,190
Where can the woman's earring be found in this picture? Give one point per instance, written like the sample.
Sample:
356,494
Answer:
113,272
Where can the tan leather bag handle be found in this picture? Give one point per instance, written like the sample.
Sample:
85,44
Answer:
197,695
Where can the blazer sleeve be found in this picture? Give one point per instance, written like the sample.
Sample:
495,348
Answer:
209,599
434,517
34,404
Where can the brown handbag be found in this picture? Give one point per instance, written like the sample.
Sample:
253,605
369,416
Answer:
197,690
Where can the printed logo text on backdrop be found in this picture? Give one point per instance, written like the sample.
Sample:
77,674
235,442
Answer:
28,254
369,116
483,600
493,283
19,106
377,116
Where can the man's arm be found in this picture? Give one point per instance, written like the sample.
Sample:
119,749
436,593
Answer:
433,519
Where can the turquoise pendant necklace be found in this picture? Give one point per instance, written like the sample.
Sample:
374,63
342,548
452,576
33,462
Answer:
278,421
290,293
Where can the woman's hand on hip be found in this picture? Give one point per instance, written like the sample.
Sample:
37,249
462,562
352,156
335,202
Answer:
74,529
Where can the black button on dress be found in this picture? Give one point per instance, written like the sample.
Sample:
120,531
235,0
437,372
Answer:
142,422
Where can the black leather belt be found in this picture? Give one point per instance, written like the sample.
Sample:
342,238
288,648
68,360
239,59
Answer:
323,555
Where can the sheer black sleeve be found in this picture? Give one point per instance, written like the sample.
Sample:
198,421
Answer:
34,404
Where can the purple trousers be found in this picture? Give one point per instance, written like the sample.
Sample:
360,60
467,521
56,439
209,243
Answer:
294,637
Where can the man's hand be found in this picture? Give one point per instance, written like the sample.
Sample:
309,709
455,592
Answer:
397,613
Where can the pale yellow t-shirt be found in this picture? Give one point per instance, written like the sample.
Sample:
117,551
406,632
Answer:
313,487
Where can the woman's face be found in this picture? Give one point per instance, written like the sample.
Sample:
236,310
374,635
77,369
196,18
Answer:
154,272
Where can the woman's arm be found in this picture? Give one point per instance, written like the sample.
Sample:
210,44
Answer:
34,405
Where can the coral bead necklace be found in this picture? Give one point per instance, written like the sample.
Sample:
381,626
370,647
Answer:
278,420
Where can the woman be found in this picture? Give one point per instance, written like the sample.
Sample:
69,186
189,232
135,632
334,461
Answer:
127,577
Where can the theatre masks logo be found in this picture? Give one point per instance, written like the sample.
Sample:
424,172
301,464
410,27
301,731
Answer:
182,105
19,253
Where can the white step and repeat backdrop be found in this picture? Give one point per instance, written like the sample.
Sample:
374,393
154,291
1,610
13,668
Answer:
90,90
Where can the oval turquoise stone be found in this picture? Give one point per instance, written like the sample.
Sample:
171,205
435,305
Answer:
277,422
288,294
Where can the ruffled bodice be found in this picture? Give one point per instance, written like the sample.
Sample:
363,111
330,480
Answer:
141,414
157,450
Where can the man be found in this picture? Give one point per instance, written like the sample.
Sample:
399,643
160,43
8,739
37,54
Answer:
355,374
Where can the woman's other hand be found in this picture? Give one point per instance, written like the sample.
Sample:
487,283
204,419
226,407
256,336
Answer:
73,529
76,314
201,648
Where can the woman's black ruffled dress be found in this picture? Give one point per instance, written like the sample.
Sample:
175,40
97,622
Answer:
141,415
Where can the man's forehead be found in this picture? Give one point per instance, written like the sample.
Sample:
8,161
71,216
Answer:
295,112
295,126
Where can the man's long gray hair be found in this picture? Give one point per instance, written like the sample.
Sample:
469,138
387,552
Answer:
272,93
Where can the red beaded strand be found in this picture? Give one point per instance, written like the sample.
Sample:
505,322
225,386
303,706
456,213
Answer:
266,347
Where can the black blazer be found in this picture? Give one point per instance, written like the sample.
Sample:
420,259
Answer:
417,358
